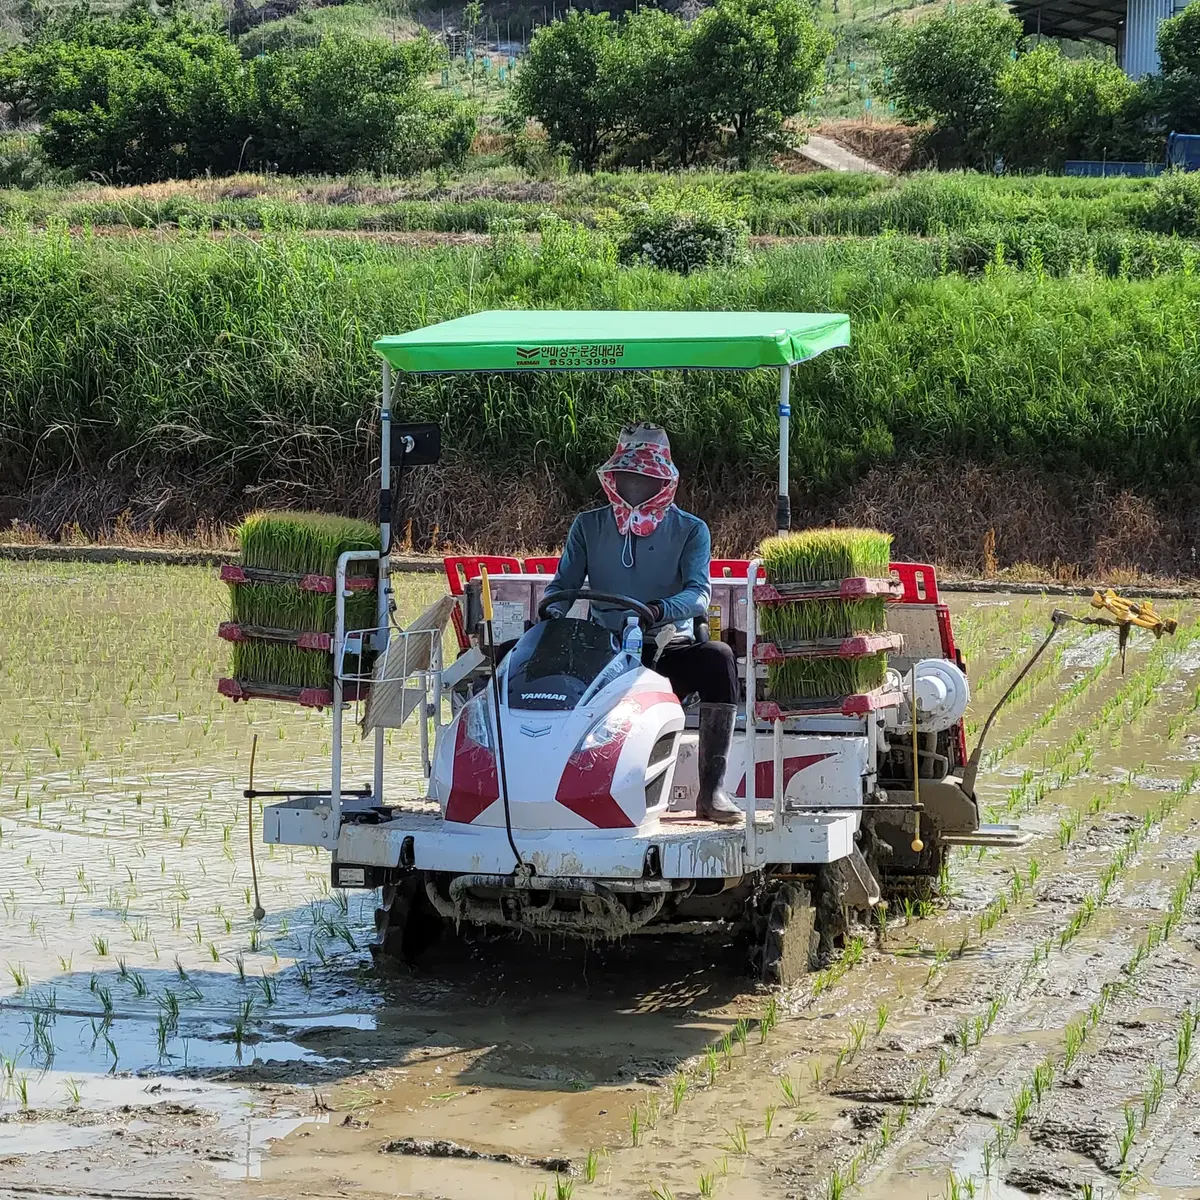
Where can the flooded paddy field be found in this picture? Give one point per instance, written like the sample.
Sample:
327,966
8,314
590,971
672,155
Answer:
1028,1034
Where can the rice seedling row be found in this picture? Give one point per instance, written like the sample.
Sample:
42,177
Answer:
1029,1095
971,1032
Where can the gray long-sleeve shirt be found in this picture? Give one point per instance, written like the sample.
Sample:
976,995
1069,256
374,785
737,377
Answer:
671,566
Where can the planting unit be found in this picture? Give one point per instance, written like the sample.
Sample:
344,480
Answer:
560,790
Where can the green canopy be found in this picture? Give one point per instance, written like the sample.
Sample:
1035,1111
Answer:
615,340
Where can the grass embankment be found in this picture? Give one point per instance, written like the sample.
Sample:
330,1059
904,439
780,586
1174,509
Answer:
820,203
968,222
195,378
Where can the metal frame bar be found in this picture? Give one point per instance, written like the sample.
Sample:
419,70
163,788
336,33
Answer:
341,592
384,587
783,504
750,735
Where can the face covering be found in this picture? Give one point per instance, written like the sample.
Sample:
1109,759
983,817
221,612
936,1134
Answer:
643,451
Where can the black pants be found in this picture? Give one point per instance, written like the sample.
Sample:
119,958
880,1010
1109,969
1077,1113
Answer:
705,667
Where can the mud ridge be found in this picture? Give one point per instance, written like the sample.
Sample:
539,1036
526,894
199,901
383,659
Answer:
443,1148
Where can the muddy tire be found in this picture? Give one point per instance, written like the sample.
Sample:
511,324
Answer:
406,923
790,941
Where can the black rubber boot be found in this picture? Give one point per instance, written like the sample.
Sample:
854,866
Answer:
716,741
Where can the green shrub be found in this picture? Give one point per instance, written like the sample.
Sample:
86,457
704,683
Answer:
1173,205
1173,96
22,163
1053,108
684,234
351,104
140,99
569,82
656,89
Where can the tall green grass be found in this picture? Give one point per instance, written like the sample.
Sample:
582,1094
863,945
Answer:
823,203
222,364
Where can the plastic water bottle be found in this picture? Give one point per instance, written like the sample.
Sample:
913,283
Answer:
633,638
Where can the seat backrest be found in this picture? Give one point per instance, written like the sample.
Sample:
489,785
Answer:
460,568
544,564
729,568
919,581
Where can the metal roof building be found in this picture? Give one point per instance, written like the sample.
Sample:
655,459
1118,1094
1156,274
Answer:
1131,26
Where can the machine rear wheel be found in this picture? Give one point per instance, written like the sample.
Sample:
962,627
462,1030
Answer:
790,941
406,923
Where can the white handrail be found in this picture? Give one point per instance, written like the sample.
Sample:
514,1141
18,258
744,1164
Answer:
341,593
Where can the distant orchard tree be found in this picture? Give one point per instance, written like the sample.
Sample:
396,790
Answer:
655,87
946,69
761,60
570,81
1174,95
1053,108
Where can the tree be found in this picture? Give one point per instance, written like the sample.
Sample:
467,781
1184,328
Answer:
662,97
1173,97
132,99
946,69
1053,108
569,81
760,60
140,98
350,104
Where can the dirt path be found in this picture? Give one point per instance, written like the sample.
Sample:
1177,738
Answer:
828,153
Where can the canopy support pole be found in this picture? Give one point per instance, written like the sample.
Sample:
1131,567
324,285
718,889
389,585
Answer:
783,504
383,590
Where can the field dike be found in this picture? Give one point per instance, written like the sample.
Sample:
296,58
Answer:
938,511
1029,1034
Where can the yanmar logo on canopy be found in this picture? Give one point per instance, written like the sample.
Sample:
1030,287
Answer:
588,354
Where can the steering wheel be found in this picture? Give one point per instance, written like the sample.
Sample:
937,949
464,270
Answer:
570,595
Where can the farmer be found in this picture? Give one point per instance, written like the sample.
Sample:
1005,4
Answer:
642,546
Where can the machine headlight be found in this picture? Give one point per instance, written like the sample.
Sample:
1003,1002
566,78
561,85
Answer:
475,720
616,723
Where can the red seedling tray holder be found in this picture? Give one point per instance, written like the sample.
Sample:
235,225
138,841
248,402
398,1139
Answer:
833,589
856,705
232,573
861,645
231,631
308,697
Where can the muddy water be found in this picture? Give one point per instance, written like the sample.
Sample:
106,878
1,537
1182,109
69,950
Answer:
157,1042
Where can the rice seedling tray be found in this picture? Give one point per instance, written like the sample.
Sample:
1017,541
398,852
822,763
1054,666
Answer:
306,697
827,589
858,646
233,573
231,631
857,705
